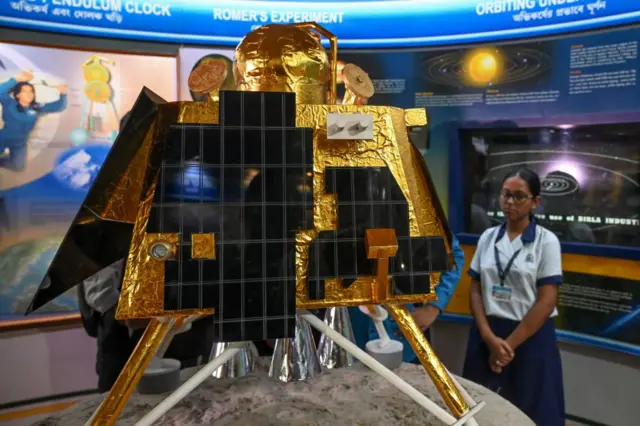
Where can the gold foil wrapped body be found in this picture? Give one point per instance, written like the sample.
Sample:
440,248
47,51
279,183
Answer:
143,287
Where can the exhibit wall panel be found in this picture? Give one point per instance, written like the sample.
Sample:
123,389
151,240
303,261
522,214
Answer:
51,153
42,366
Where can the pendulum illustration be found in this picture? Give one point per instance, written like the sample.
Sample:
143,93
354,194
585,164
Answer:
98,92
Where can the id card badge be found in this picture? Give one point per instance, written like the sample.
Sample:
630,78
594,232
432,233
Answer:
501,293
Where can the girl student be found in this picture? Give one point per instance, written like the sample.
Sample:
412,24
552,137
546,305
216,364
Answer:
516,271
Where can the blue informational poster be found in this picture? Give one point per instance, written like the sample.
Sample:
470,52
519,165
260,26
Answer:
60,113
357,23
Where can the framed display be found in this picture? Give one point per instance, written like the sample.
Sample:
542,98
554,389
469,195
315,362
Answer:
591,186
61,111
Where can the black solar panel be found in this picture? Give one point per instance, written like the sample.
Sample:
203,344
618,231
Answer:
249,182
370,198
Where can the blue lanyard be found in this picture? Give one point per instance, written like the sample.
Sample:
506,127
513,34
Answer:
502,273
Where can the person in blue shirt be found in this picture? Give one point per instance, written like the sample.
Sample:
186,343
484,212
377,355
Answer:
20,113
364,330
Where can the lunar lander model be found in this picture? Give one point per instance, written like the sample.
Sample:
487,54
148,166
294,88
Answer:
339,211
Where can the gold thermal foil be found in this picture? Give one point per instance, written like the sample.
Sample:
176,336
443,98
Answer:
390,148
142,294
381,243
415,117
143,285
283,58
325,209
438,373
317,30
131,374
303,241
123,203
198,112
203,246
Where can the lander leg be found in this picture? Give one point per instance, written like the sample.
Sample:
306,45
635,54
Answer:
449,390
188,386
394,379
109,411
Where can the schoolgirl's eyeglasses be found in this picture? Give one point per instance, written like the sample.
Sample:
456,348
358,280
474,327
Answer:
518,196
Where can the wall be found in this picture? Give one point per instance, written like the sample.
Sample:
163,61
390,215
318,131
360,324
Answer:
600,386
38,364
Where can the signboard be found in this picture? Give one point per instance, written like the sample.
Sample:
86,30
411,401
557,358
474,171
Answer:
381,23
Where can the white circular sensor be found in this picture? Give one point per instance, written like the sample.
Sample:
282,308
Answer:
161,251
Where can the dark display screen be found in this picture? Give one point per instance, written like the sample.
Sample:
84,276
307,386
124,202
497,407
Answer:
590,178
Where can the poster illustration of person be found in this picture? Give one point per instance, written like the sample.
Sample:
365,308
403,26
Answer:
20,112
60,114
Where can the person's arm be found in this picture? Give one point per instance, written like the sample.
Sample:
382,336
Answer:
5,88
476,304
427,314
549,277
56,106
101,290
449,280
499,348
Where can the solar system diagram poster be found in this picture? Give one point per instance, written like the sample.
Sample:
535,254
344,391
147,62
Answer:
61,111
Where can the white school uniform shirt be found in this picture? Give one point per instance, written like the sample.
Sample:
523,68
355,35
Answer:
538,263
